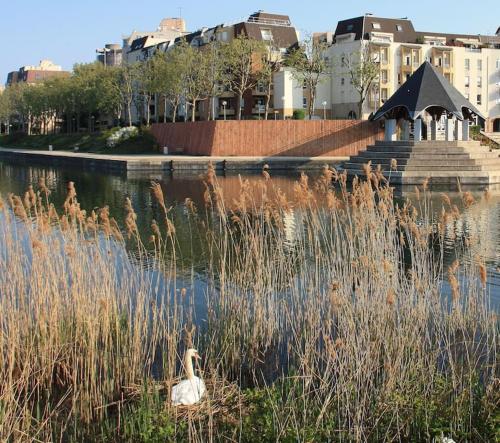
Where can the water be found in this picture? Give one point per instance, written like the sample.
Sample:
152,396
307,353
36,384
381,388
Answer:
96,189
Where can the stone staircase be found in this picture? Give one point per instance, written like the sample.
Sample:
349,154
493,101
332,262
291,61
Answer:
493,136
443,162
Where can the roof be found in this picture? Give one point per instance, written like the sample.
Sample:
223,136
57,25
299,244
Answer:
425,89
401,28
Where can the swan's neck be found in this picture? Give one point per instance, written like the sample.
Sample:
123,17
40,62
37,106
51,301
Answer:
189,367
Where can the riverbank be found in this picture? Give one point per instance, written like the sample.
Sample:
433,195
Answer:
163,163
95,142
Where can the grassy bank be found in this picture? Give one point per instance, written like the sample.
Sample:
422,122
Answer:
327,320
143,143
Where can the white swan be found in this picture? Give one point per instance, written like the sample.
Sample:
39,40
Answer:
190,391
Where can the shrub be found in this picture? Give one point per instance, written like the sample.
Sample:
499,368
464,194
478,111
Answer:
121,135
299,114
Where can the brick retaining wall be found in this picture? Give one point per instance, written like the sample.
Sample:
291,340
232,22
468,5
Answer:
293,138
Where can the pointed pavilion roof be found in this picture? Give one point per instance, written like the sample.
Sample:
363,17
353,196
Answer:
427,89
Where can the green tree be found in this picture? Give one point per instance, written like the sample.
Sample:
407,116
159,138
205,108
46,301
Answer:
309,67
196,78
271,64
363,70
242,57
5,109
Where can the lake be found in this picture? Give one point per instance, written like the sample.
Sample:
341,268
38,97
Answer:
97,189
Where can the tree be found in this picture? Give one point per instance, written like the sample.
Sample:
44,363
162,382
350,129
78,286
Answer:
126,79
196,78
5,109
271,64
309,67
217,75
242,57
363,70
171,73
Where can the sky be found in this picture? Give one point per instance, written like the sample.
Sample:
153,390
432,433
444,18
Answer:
68,32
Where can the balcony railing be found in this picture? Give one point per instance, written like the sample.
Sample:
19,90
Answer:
269,21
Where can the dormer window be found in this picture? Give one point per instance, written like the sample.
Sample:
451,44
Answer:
376,25
266,34
399,28
350,27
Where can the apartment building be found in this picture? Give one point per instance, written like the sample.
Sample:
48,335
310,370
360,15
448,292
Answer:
276,28
169,29
470,62
36,74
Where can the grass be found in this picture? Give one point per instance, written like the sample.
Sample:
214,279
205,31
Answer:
144,143
326,320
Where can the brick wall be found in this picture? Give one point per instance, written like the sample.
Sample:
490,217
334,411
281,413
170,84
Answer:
292,138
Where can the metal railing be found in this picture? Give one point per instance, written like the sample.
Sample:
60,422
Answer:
269,21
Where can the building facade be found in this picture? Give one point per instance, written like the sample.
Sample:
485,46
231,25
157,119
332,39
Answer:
470,62
36,74
287,94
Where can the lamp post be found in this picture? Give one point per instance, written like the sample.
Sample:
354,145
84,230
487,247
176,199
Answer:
283,99
276,115
92,125
324,109
224,104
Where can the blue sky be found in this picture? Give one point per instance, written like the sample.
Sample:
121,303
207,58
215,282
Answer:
69,31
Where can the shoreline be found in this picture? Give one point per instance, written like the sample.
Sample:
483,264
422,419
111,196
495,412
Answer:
163,163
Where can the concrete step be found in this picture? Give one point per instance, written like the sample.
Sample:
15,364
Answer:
427,166
432,143
493,136
368,155
422,150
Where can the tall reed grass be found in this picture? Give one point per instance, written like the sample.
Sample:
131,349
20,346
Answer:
329,316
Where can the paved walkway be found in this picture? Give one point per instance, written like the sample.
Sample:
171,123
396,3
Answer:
163,162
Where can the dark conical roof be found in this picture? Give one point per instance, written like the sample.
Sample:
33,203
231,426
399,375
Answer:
427,88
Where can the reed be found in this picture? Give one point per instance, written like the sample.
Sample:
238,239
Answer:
329,316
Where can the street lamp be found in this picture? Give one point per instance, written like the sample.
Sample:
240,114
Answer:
283,99
224,104
276,115
324,109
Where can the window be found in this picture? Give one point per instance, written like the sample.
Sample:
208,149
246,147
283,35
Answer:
479,81
242,103
383,78
266,34
342,81
376,25
467,64
478,101
350,27
498,63
407,60
467,81
479,65
399,28
304,102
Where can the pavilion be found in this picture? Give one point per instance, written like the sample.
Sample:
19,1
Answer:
425,97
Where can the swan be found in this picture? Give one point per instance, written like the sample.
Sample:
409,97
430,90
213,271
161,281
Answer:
191,390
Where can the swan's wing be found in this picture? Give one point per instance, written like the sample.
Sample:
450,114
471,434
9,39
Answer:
188,392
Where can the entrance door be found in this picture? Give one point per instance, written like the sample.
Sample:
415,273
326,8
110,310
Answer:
496,125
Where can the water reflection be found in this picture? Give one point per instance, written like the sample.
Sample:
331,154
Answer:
96,190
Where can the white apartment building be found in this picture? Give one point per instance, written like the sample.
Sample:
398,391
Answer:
470,62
